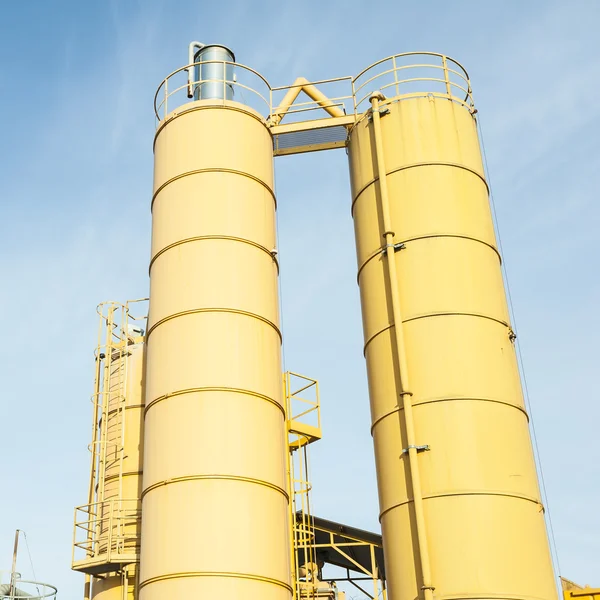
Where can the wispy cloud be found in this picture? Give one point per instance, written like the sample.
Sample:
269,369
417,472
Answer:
75,230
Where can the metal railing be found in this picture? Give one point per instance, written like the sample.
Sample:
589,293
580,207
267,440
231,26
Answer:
106,527
303,414
118,328
106,532
413,74
345,549
34,590
401,76
303,409
248,85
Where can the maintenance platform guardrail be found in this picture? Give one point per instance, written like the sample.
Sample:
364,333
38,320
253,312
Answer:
398,77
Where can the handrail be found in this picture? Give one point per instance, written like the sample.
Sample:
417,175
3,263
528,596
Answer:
292,397
456,91
280,88
452,83
414,53
404,67
108,528
104,525
191,66
42,590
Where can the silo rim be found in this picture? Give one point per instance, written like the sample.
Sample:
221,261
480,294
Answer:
214,46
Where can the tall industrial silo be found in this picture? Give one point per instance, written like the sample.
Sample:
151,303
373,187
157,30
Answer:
460,506
215,514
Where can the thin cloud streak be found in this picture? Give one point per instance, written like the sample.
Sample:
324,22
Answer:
75,231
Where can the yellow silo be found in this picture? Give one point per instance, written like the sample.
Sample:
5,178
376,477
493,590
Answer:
121,479
460,507
215,521
107,528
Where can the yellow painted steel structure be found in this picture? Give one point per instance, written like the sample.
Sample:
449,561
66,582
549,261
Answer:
460,507
215,504
574,591
123,469
107,529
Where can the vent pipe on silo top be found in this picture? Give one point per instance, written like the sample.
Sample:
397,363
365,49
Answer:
210,74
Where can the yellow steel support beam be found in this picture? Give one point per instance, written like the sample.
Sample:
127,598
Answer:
339,121
303,85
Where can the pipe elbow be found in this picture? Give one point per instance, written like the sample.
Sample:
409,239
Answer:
377,94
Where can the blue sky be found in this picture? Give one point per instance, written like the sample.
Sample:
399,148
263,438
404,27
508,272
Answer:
76,88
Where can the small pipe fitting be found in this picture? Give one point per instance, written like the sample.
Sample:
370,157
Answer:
191,52
377,94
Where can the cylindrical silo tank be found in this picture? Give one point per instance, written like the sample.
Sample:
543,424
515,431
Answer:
121,478
215,512
460,507
124,440
115,586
